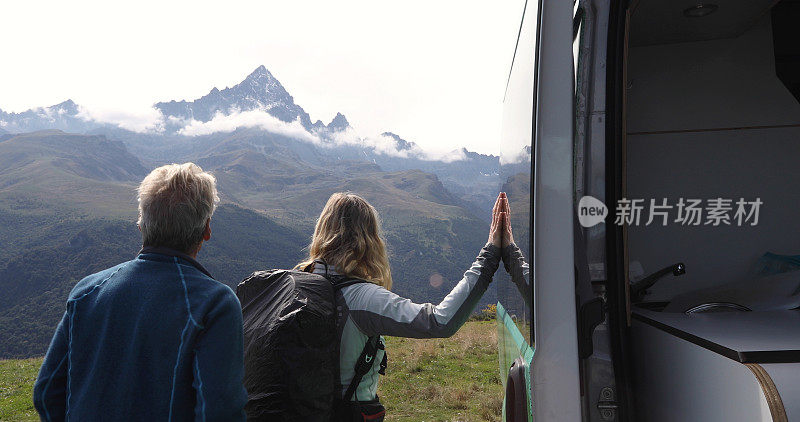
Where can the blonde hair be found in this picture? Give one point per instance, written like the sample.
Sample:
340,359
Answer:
348,237
175,201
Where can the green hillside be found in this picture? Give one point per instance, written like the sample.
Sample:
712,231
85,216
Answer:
38,279
49,172
451,379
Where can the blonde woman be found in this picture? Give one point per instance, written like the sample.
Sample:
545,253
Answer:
347,242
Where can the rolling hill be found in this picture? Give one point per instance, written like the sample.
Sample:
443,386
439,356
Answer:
48,170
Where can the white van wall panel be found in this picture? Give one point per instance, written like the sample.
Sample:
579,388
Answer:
752,164
708,84
676,380
727,83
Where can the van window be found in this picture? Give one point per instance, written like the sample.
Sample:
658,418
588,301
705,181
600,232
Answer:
515,165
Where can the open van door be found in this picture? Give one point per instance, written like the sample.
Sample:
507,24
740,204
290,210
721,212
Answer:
538,119
554,368
642,101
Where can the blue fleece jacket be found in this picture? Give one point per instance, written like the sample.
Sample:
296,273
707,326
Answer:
152,339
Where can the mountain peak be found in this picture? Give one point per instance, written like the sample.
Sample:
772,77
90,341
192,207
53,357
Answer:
261,72
402,144
68,107
258,91
338,123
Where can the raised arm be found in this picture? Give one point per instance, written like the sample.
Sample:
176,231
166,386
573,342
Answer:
376,310
513,260
517,267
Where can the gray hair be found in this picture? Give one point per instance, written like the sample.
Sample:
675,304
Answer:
175,201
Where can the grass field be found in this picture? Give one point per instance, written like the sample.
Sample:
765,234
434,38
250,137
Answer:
16,384
451,379
454,379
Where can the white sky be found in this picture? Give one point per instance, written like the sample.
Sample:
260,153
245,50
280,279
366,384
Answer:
433,72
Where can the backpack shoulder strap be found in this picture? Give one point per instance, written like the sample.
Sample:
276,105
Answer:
364,363
367,357
347,282
339,281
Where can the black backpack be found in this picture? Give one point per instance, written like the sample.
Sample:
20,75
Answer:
291,346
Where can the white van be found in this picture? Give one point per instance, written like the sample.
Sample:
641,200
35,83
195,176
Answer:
683,118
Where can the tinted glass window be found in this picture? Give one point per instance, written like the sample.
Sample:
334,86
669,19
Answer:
515,165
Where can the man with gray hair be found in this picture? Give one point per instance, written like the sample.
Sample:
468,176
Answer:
154,338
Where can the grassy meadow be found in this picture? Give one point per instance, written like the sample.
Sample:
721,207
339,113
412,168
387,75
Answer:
16,385
452,379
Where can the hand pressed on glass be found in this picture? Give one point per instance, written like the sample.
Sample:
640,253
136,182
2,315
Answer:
508,236
500,234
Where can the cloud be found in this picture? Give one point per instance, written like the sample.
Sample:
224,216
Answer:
252,118
146,120
389,146
151,120
520,156
445,156
380,144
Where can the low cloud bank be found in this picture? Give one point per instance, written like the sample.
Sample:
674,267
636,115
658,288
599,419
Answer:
389,146
380,144
252,118
521,156
152,121
146,120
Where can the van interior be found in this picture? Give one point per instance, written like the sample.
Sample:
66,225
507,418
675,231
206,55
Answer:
712,112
